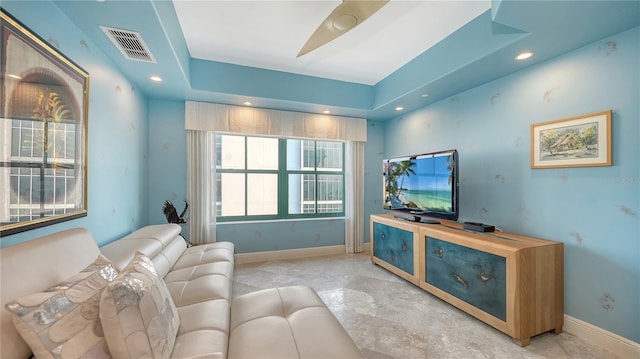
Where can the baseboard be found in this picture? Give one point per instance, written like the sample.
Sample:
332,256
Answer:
612,342
241,258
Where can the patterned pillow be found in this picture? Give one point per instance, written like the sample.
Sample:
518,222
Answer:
62,321
138,316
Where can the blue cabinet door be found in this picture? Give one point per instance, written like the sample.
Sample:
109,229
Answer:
478,278
394,246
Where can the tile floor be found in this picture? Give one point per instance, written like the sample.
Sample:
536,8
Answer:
388,317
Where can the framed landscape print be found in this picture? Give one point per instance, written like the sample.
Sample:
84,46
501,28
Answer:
579,141
43,125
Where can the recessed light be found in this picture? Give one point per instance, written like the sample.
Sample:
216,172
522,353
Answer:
155,78
247,103
399,108
326,112
424,95
14,76
524,55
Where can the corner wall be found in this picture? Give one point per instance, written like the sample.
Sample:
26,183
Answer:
118,134
593,210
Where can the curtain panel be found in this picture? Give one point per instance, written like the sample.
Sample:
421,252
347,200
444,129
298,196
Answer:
200,189
203,119
354,221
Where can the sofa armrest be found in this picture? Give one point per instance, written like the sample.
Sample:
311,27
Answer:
33,266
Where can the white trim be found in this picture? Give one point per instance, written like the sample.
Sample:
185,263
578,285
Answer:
284,220
622,347
242,258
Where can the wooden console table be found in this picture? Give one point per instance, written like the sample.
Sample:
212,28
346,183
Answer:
512,282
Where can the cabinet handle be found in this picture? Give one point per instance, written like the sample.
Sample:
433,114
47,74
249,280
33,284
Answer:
459,279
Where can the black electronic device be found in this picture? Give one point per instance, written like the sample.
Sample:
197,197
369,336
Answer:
479,227
423,185
418,219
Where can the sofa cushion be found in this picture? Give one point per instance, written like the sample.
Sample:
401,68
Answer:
169,255
163,233
138,315
204,330
200,282
121,252
199,289
162,243
63,321
288,322
206,253
202,273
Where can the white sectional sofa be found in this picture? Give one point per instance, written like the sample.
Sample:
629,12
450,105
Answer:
288,322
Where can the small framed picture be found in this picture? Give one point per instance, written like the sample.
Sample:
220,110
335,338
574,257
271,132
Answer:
579,141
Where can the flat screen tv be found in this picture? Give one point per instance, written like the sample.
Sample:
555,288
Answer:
422,185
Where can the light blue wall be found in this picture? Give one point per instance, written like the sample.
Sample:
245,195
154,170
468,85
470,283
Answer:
374,154
280,235
117,132
167,157
594,210
233,79
168,171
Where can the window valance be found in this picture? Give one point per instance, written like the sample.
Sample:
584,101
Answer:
205,116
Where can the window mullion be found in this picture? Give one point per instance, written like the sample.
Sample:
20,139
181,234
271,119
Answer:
246,177
344,180
315,176
283,179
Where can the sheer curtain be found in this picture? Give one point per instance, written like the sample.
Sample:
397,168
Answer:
203,119
354,197
200,191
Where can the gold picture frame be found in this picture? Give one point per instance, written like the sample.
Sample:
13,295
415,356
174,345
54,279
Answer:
579,141
44,99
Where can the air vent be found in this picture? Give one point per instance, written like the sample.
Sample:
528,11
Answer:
130,44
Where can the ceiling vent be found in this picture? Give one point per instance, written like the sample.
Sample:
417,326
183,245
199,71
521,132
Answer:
130,44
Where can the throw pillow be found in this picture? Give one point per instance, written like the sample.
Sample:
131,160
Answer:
138,316
63,321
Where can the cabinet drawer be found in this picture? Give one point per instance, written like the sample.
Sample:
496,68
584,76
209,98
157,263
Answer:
476,277
394,246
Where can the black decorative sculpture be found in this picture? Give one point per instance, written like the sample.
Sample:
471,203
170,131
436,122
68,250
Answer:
171,213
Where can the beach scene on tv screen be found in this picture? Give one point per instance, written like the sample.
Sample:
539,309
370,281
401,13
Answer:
422,184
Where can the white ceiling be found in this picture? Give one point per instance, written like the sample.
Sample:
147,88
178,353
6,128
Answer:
406,50
268,34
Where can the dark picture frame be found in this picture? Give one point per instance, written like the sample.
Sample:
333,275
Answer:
44,99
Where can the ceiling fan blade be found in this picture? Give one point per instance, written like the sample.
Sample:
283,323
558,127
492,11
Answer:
343,18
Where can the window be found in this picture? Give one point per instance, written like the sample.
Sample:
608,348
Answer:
41,183
271,178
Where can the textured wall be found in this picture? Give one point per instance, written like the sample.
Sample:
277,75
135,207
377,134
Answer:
374,155
117,135
594,210
167,157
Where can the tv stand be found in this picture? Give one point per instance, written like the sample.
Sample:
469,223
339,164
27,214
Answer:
418,219
512,282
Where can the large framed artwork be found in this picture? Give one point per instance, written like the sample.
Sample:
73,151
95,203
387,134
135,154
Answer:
43,125
578,141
